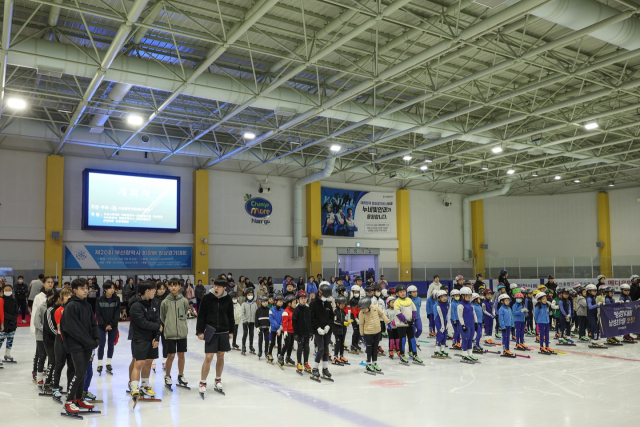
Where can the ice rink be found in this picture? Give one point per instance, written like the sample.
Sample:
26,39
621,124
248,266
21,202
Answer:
584,387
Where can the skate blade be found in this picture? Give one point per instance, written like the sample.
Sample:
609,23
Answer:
438,357
89,412
315,379
299,372
568,344
202,396
404,363
219,391
269,362
417,363
379,373
327,378
45,394
281,367
337,364
616,344
354,352
370,373
68,415
629,342
94,401
598,347
168,387
57,400
9,361
183,386
468,362
110,373
511,357
289,365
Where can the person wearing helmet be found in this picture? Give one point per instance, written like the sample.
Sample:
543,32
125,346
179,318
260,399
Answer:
601,280
488,316
290,303
541,314
430,307
369,325
476,302
506,323
458,282
354,311
404,319
529,330
478,283
262,324
392,292
412,290
592,315
290,289
519,312
468,320
302,331
564,317
237,315
502,278
455,322
249,308
501,291
581,314
634,288
376,299
392,330
275,320
441,310
321,316
340,326
609,292
625,290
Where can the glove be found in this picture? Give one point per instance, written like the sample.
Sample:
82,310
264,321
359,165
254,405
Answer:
320,331
442,329
285,335
493,317
402,318
464,328
525,310
357,321
455,323
389,326
568,318
278,332
327,329
393,323
414,315
410,322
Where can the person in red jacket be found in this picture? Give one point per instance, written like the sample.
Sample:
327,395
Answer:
287,328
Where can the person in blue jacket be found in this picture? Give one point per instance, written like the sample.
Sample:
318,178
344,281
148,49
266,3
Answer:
440,319
455,301
519,314
430,308
488,316
275,319
417,301
476,299
468,321
565,306
312,287
541,314
506,323
592,315
501,291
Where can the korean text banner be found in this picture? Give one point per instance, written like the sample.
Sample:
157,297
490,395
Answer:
126,257
351,213
620,319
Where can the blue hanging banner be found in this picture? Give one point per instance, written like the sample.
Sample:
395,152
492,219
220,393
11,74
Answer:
104,257
620,319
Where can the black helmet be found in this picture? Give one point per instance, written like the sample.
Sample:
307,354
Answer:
377,287
289,298
364,303
444,288
609,289
264,298
368,289
341,288
357,278
573,293
400,287
248,291
233,294
325,289
279,297
341,300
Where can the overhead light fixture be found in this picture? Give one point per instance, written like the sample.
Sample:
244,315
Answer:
407,158
134,120
536,138
424,167
428,159
558,177
511,171
335,148
534,173
373,151
484,167
16,103
591,126
611,184
497,149
249,135
577,181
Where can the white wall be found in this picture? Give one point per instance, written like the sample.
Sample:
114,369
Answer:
624,212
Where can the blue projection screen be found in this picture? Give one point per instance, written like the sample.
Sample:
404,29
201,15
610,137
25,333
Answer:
134,202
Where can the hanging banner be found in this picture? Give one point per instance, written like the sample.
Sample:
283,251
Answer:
103,257
350,213
620,319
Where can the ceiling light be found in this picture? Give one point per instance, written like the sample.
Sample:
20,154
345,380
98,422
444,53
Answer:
134,120
249,135
16,103
335,148
484,167
497,149
407,158
611,184
511,171
534,173
577,181
428,159
591,126
424,167
557,177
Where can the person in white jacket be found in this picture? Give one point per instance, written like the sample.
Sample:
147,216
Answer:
39,304
434,286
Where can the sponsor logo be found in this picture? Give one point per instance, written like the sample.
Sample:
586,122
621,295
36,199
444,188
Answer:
257,207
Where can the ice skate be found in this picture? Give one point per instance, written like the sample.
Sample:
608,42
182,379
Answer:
613,341
381,351
90,397
109,369
270,359
354,350
337,361
404,360
202,389
281,362
236,347
299,369
315,375
307,368
508,353
168,382
628,339
99,370
326,375
182,383
498,336
218,387
467,359
369,370
597,345
391,354
244,351
148,392
252,350
438,355
9,359
344,361
475,359
71,410
478,349
289,362
260,355
550,350
584,339
56,395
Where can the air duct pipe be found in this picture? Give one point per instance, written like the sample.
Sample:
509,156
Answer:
297,203
466,215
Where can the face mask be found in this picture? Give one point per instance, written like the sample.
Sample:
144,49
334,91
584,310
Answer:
249,297
518,299
235,301
378,294
456,298
356,295
7,294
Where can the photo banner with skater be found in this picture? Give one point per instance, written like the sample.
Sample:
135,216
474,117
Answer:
352,213
620,319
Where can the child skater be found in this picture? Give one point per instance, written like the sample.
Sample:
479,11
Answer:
11,309
542,320
354,310
39,322
468,321
287,331
528,304
107,313
405,316
625,296
563,322
417,301
430,307
302,331
394,342
263,324
477,307
340,326
506,322
249,308
275,319
592,315
321,318
496,309
440,320
455,301
50,330
62,357
173,315
378,300
370,316
519,314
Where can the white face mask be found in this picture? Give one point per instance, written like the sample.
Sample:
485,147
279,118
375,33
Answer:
518,299
378,294
7,294
356,294
235,301
249,297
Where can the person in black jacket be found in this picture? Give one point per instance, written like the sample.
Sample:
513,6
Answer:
128,292
200,291
340,325
79,333
94,293
262,324
216,312
302,330
10,320
21,294
146,329
479,283
108,315
321,317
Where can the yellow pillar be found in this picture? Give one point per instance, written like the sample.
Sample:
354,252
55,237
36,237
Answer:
604,234
53,216
403,219
477,235
201,225
314,229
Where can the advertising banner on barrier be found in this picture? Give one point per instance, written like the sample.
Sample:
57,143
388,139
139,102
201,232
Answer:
568,283
105,257
620,319
350,213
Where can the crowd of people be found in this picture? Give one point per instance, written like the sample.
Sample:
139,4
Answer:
70,322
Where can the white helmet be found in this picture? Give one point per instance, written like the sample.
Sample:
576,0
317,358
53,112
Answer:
412,288
324,282
355,288
474,296
459,277
591,287
504,296
600,276
441,294
384,293
539,296
625,287
513,286
634,277
465,291
455,292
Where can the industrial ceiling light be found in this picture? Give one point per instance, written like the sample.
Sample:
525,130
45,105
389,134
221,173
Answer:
577,181
611,184
484,167
534,173
424,167
497,149
428,159
335,148
511,171
249,135
134,120
407,157
558,177
16,103
591,126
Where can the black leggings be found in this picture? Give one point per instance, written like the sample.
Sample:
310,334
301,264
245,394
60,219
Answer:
582,326
339,345
165,349
303,347
62,358
41,356
322,344
275,337
288,345
247,328
372,341
49,347
22,307
108,338
263,335
235,334
80,365
355,338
